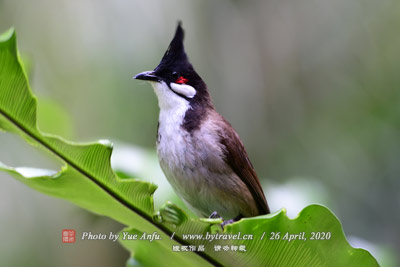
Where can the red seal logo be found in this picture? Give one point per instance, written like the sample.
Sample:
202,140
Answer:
68,236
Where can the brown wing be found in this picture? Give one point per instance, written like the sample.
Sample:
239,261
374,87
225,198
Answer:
238,160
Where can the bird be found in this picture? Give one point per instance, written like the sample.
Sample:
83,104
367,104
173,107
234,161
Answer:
199,152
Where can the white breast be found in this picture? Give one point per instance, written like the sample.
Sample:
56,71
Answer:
171,139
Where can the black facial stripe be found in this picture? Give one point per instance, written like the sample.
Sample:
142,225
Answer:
194,116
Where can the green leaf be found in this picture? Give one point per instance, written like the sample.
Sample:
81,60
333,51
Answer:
88,180
328,248
314,238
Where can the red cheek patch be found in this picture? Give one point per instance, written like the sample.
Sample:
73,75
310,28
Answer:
181,80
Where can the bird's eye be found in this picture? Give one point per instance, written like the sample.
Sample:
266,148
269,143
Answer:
177,78
175,75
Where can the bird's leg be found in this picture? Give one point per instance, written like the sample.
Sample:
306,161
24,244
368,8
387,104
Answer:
215,215
237,218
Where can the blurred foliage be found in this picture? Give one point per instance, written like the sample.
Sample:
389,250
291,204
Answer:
54,119
311,87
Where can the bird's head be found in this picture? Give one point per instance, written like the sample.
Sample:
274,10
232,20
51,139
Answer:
174,79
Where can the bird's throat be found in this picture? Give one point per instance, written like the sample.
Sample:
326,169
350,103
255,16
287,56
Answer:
172,108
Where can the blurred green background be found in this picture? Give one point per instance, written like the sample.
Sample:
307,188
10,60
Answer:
312,88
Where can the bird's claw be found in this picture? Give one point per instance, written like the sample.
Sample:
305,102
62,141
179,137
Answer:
215,215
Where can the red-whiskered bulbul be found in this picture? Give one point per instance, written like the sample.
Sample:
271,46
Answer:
200,153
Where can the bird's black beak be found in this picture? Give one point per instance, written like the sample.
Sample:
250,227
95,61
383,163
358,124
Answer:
147,76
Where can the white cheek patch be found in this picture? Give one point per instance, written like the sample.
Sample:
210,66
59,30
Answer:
183,89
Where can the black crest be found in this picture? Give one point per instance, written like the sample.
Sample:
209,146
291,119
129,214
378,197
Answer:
175,57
